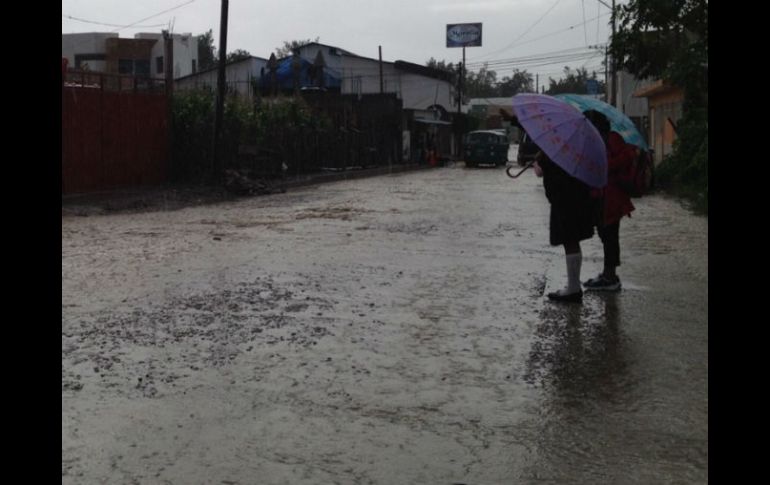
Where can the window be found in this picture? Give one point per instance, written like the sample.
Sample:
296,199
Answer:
159,64
84,58
125,66
142,67
194,66
355,85
138,67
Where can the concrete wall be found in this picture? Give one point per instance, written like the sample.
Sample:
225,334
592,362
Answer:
144,46
136,50
89,43
420,92
185,52
238,76
663,107
626,102
361,75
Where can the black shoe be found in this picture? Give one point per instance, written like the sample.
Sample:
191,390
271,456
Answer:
603,283
566,297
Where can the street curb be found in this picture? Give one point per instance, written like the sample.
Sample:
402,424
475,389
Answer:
350,175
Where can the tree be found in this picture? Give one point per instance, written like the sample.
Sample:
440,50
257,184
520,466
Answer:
574,82
484,83
207,58
519,82
668,39
665,39
289,47
237,55
481,85
441,65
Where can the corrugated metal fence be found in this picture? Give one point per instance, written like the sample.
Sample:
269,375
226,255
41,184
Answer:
115,133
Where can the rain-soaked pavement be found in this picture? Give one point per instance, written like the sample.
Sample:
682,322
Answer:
390,330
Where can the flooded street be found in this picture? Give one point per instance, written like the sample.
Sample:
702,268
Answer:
390,330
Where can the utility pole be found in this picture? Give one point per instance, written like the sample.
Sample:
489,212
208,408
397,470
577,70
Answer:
606,70
606,74
168,47
614,64
216,162
613,68
382,87
460,102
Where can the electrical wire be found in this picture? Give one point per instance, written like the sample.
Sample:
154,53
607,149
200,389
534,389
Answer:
557,32
105,24
156,15
526,31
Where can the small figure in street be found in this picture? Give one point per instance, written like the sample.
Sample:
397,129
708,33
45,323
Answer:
572,219
615,203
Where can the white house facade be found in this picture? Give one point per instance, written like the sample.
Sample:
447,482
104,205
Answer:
240,76
143,55
418,87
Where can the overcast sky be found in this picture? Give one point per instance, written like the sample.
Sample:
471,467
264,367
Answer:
540,36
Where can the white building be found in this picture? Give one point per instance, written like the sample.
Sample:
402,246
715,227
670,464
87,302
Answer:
239,76
185,54
419,87
143,55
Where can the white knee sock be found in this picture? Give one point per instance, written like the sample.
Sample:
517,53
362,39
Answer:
574,261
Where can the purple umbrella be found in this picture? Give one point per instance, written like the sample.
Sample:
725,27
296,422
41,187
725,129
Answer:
565,135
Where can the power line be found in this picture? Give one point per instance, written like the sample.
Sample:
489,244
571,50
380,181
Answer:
156,15
108,25
597,23
526,31
540,59
557,32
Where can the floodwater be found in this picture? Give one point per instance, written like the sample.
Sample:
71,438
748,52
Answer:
391,330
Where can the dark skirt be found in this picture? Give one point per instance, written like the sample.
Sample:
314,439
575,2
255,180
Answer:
572,222
574,213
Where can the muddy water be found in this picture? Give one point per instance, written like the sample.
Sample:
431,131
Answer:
385,330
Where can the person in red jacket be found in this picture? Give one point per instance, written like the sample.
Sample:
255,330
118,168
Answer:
616,203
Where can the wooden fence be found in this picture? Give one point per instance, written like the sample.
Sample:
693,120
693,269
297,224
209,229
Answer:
115,132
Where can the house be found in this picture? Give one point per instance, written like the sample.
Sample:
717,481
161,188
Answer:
419,87
241,76
296,73
141,56
665,110
634,107
427,94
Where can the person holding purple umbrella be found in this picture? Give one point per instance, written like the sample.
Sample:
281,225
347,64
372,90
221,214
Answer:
572,219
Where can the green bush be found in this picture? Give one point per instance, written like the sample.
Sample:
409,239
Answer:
192,135
271,124
685,171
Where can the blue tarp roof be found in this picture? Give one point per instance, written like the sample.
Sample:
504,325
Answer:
285,74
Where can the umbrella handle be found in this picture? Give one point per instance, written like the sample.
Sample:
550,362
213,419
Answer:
508,170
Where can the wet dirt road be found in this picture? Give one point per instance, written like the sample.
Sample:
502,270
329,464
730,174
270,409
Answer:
390,330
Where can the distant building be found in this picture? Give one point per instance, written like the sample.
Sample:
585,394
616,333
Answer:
665,110
240,76
418,86
143,55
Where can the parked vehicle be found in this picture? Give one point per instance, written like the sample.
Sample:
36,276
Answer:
485,147
527,150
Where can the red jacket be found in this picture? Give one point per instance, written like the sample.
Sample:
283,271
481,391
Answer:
620,155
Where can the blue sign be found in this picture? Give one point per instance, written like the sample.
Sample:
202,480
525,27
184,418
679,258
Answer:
592,85
463,35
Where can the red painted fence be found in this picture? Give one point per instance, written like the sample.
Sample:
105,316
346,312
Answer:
112,139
